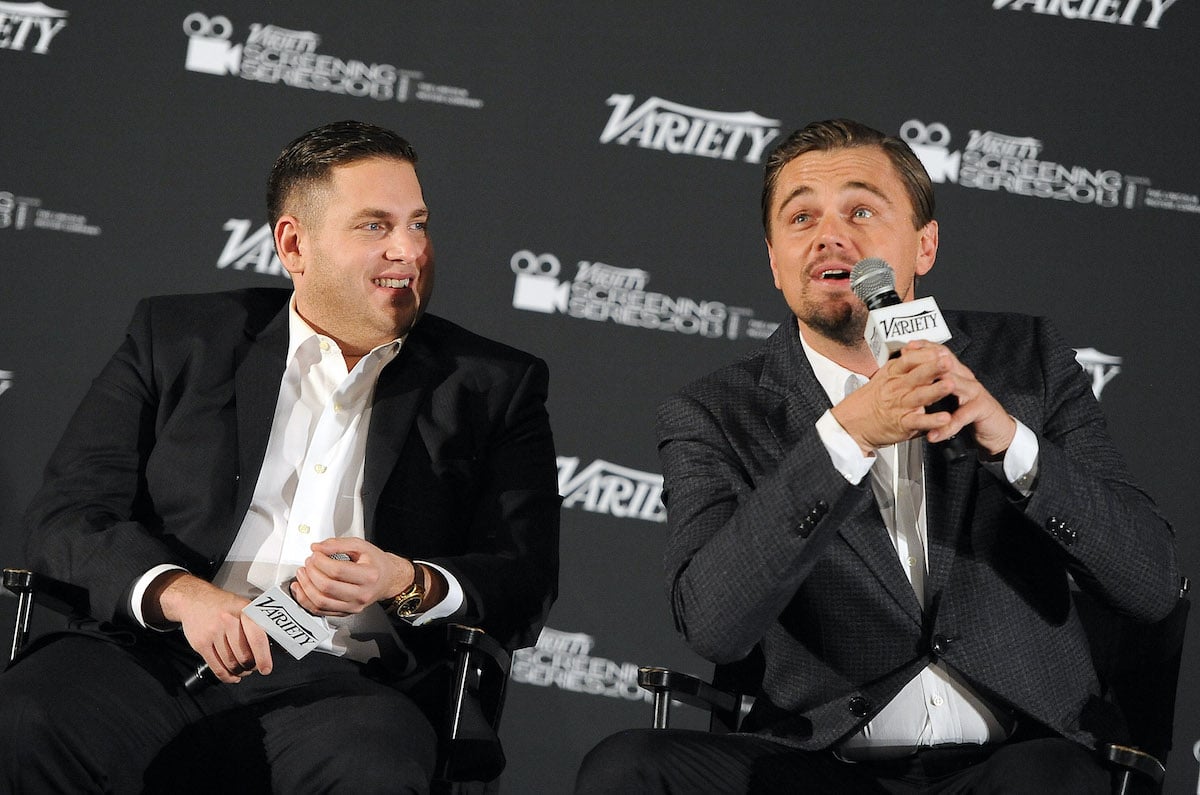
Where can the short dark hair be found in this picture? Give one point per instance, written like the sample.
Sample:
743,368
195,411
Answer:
308,160
825,136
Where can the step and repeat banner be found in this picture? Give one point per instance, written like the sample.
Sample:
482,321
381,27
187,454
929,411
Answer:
594,172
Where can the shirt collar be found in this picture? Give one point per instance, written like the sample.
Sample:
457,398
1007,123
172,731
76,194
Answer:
300,332
830,375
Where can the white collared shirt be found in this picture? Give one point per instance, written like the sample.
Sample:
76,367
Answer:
935,706
310,485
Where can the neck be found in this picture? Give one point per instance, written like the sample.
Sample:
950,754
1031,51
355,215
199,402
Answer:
857,357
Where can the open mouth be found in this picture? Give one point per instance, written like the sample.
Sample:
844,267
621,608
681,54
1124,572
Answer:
835,273
396,284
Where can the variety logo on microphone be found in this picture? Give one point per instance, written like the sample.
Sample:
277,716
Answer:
291,626
1014,164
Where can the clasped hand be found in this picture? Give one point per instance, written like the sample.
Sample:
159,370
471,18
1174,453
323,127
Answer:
890,407
232,645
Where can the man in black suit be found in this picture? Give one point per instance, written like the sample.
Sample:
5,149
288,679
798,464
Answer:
390,469
913,614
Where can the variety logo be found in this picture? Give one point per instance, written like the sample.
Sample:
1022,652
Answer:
678,129
1147,13
603,292
6,380
564,660
603,487
26,212
254,251
1014,163
1102,367
271,54
29,26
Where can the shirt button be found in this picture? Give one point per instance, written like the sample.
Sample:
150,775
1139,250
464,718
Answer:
324,345
937,701
320,469
337,408
304,529
912,562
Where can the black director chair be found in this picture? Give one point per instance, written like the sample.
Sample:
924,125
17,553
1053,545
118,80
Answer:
470,758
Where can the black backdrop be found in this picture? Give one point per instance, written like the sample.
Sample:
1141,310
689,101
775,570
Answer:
594,173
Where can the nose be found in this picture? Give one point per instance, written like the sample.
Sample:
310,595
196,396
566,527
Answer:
832,233
404,245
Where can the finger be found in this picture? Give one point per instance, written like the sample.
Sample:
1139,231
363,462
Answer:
260,647
313,599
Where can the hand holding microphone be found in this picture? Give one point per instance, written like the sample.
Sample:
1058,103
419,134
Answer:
287,624
893,323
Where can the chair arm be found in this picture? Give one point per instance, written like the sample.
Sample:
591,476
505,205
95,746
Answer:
668,685
470,748
1133,760
59,596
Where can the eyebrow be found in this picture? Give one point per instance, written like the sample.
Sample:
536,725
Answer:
374,212
869,187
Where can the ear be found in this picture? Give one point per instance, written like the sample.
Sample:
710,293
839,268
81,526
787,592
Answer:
288,237
774,268
927,246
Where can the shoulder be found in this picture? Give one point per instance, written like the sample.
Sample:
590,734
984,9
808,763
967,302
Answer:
248,309
462,349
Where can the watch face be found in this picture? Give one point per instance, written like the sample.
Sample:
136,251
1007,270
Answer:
408,606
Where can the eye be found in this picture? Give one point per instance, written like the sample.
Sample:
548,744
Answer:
373,226
801,218
863,212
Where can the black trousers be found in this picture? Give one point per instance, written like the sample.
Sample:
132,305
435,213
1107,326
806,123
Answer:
695,762
82,714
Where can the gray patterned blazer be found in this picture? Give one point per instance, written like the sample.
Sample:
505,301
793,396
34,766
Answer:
770,546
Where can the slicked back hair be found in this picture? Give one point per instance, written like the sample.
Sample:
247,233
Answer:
834,134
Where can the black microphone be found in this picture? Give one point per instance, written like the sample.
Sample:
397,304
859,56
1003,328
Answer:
891,323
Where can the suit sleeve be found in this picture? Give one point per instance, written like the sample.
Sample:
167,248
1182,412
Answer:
746,529
509,569
1115,542
88,522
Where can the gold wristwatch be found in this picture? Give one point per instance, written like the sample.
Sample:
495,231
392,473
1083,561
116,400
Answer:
408,602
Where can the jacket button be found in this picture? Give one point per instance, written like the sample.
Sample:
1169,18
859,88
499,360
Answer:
859,707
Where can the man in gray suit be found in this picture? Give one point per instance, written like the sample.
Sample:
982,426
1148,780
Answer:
913,613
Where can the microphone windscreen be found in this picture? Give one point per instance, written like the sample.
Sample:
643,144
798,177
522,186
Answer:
871,277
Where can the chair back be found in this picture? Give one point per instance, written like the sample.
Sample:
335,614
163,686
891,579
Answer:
1138,665
742,678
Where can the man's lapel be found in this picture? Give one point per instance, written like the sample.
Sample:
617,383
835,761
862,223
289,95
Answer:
402,386
256,391
788,374
948,492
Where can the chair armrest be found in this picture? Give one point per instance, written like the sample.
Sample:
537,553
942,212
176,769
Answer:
59,596
668,685
1135,760
471,750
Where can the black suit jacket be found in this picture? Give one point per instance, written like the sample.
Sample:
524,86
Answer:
771,547
159,462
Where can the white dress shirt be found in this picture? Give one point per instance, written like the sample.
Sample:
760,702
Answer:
936,706
310,485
